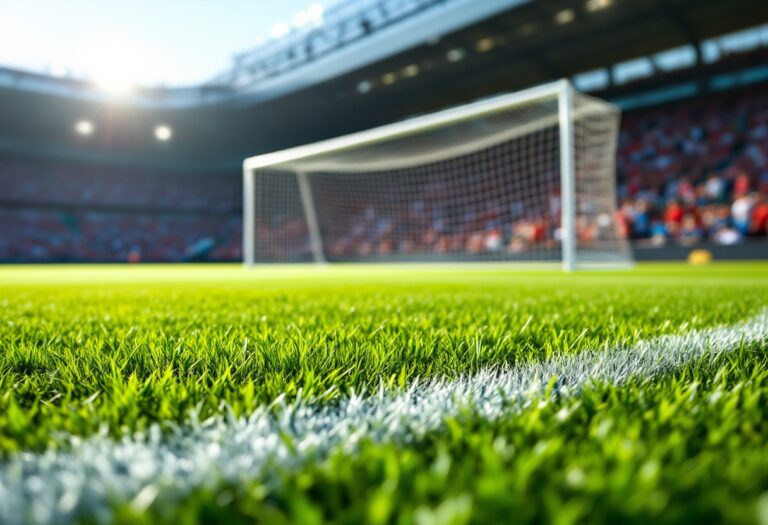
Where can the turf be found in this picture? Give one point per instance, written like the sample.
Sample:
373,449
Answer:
83,349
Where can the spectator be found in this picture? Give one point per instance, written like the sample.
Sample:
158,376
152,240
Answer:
759,222
727,236
690,232
673,217
741,210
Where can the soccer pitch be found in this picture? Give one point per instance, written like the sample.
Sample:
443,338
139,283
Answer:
383,394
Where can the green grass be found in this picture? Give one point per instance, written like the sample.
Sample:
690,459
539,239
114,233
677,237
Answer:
83,348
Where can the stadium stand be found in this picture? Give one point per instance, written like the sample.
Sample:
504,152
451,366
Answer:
56,183
689,172
37,235
696,171
65,211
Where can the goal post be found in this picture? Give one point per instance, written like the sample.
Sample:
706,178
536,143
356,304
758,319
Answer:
567,176
528,176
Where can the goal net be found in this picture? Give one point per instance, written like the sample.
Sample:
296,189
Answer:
523,177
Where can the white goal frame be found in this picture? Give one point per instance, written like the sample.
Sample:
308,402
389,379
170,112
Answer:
561,90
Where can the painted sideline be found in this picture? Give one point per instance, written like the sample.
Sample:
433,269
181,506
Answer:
94,473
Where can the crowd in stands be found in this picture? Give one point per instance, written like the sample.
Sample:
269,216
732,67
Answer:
691,172
55,183
696,171
65,211
450,224
30,235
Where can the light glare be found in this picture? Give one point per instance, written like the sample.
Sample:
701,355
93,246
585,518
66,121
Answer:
116,63
115,85
411,71
280,29
163,133
566,16
300,19
454,55
485,44
596,5
84,127
315,12
364,86
388,79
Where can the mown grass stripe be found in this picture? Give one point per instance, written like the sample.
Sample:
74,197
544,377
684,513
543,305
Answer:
95,473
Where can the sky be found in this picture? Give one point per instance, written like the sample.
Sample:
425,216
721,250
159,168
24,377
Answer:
138,42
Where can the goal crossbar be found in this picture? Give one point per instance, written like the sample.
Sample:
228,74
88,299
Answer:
410,126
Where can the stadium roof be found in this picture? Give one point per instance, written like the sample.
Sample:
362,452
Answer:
123,43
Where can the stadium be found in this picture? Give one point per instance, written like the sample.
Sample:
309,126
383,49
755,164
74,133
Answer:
384,261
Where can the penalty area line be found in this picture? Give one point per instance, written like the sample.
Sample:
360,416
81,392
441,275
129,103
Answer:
93,474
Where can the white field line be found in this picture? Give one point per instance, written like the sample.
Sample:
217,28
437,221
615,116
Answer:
58,485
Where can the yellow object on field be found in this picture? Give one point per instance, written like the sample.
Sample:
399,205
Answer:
700,257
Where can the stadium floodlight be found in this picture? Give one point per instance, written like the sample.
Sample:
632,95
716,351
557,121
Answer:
364,86
528,176
163,133
566,16
485,44
454,55
411,70
84,127
597,5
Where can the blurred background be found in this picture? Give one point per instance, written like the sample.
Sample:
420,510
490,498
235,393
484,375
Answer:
123,125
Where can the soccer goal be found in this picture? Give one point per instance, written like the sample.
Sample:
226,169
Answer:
528,176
